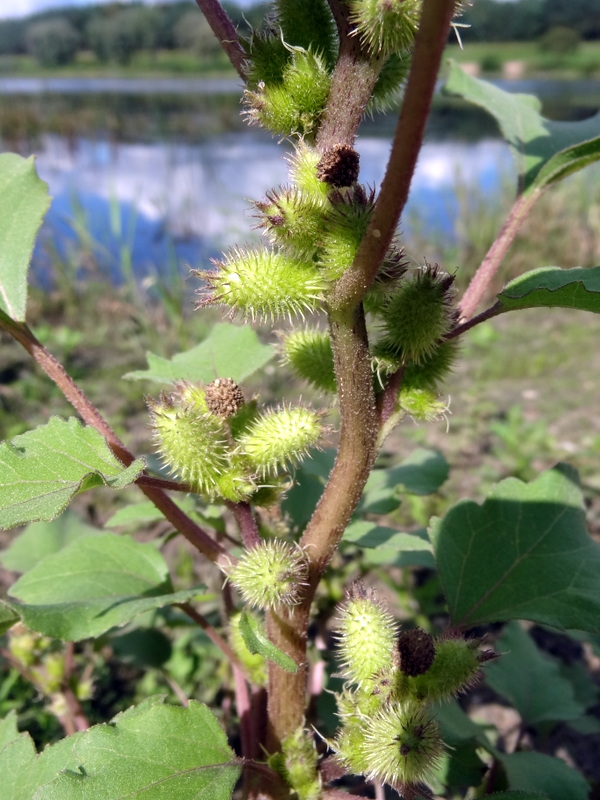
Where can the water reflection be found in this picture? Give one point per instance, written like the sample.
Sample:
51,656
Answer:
190,201
164,175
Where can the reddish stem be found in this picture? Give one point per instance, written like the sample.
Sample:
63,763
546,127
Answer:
224,29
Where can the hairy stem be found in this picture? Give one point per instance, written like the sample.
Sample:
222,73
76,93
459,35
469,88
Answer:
356,453
482,279
246,522
224,29
91,416
429,45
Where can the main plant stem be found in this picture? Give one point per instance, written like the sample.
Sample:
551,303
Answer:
352,85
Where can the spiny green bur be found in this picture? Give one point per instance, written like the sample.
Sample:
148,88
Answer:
386,26
309,354
293,219
346,226
422,405
270,575
418,315
456,667
280,438
366,634
294,106
261,283
401,745
308,24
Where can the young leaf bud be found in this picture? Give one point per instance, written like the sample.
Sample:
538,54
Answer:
262,283
339,166
366,634
279,438
423,405
416,650
271,574
309,354
255,664
223,397
455,668
297,764
386,26
419,314
401,745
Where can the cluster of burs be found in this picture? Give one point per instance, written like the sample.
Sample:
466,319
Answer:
314,226
393,681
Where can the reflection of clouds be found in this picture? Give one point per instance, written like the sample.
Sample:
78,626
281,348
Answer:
440,164
202,190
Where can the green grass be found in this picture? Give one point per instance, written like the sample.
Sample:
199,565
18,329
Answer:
585,61
164,63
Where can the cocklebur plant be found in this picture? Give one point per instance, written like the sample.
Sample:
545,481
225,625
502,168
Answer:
374,331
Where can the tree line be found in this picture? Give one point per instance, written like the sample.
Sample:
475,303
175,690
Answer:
115,32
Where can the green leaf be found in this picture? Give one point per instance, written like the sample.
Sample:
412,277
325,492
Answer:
43,469
23,771
92,585
422,473
536,772
545,151
229,351
257,642
531,680
152,752
524,554
8,729
8,616
369,534
41,539
553,287
24,200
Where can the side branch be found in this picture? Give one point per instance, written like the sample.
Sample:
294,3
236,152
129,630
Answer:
429,45
224,29
482,279
91,416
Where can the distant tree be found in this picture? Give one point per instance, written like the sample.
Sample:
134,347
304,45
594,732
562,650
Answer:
192,32
52,42
12,36
117,36
560,40
582,15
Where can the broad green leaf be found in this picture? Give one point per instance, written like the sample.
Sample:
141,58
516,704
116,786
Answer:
536,772
8,729
531,680
8,616
41,470
230,351
369,534
309,481
257,642
152,752
41,539
524,554
545,151
22,771
24,200
93,584
422,473
554,287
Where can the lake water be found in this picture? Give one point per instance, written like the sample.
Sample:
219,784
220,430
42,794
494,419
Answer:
163,169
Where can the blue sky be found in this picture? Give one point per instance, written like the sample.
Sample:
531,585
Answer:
20,8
